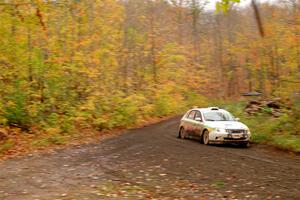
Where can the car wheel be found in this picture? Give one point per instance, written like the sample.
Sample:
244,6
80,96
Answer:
206,137
182,133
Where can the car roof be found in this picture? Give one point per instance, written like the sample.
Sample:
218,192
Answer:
208,109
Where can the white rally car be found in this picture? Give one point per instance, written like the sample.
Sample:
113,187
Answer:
213,126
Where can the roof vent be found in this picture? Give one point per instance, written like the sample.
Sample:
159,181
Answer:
213,108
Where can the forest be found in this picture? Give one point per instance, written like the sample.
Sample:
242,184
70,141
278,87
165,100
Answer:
70,66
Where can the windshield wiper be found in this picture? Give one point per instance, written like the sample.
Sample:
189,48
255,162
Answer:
210,120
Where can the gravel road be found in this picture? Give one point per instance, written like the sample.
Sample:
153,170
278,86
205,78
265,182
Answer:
151,163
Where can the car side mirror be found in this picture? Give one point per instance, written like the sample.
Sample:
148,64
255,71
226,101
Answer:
198,119
237,119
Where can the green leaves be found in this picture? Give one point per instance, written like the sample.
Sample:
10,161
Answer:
224,5
113,63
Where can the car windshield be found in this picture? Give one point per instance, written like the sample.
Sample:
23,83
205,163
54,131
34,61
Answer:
218,116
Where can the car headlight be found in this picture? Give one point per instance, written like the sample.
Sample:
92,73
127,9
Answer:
220,130
247,131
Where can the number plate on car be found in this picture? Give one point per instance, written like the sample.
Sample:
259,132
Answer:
237,136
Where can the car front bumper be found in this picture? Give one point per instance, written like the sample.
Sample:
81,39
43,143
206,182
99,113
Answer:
223,138
229,141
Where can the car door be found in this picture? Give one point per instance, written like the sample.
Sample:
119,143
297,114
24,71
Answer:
198,124
189,122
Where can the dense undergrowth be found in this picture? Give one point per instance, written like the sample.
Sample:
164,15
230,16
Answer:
37,128
86,121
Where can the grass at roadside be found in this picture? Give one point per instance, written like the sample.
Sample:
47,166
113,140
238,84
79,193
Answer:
282,132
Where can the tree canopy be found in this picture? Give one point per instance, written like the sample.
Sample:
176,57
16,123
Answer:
110,63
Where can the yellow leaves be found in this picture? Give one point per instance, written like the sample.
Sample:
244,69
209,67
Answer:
100,60
84,42
53,131
11,104
3,120
33,110
88,106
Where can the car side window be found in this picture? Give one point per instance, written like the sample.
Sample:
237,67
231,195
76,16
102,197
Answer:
191,115
198,115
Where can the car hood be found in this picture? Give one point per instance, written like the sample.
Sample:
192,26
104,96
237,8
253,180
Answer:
225,124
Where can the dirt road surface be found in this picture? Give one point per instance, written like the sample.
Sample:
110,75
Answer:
151,163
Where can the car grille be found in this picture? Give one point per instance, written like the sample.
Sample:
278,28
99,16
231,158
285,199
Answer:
236,131
230,138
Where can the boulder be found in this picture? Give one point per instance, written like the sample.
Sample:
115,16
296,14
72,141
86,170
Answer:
252,102
257,106
273,104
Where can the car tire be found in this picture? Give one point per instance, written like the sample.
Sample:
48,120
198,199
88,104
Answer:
182,133
205,137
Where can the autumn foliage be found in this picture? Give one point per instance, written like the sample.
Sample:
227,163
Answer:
107,63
